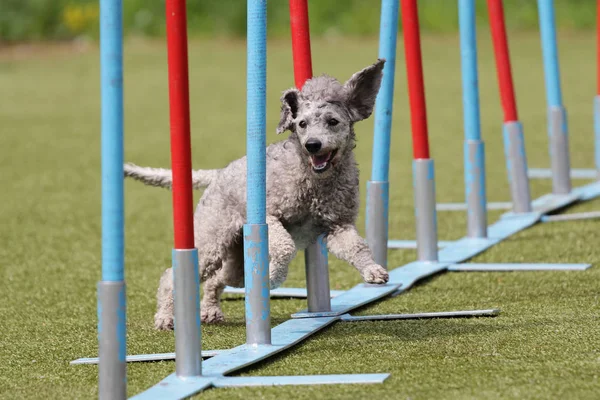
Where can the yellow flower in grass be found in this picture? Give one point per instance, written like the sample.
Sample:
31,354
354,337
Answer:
79,17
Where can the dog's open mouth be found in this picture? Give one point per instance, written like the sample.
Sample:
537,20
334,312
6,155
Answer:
322,162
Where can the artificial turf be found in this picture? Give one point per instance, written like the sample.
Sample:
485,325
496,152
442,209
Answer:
543,345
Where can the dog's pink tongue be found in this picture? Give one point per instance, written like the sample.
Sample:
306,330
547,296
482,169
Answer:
322,159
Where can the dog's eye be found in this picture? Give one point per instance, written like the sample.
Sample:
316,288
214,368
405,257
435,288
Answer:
333,122
302,124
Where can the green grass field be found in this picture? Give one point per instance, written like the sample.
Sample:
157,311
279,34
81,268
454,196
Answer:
544,344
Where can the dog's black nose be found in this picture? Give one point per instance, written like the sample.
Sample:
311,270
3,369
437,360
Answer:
313,145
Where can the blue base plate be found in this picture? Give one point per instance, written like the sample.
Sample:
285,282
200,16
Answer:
497,205
518,267
146,357
243,381
299,293
571,217
412,244
576,173
426,315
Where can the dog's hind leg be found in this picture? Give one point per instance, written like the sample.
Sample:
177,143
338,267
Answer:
216,232
282,250
210,309
231,274
163,319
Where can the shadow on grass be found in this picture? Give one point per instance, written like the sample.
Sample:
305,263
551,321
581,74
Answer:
365,334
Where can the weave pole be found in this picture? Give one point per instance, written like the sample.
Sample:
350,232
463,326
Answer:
256,239
597,97
423,168
315,255
474,153
112,379
378,188
557,115
188,362
514,146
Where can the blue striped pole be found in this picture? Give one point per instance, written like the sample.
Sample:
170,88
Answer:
378,186
111,290
557,116
256,244
474,155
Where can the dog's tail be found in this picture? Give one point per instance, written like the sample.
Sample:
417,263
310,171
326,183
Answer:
160,177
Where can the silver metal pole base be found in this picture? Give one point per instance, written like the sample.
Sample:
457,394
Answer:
424,186
317,277
112,343
475,189
186,298
516,165
377,220
256,277
559,150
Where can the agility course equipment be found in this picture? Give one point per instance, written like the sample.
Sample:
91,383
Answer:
557,115
111,290
186,282
423,167
512,129
256,240
378,188
315,255
560,171
191,374
514,146
474,148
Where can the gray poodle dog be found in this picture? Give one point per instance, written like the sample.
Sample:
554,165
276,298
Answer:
312,189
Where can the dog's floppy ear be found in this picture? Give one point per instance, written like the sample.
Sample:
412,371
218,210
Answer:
362,89
289,109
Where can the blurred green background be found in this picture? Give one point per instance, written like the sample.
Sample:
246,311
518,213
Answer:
34,20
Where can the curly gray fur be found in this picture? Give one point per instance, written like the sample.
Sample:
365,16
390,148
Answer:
308,193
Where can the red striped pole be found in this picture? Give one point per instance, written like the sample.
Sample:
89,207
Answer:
181,153
414,72
423,168
186,280
505,81
514,142
300,42
315,255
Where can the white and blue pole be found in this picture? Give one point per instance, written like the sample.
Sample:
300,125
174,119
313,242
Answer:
256,240
378,186
474,155
111,289
557,116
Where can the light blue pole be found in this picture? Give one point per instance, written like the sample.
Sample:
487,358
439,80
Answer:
470,80
557,116
111,53
378,186
388,32
474,156
550,52
111,290
256,244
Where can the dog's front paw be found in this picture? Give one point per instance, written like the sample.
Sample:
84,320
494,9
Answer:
163,322
211,315
375,274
